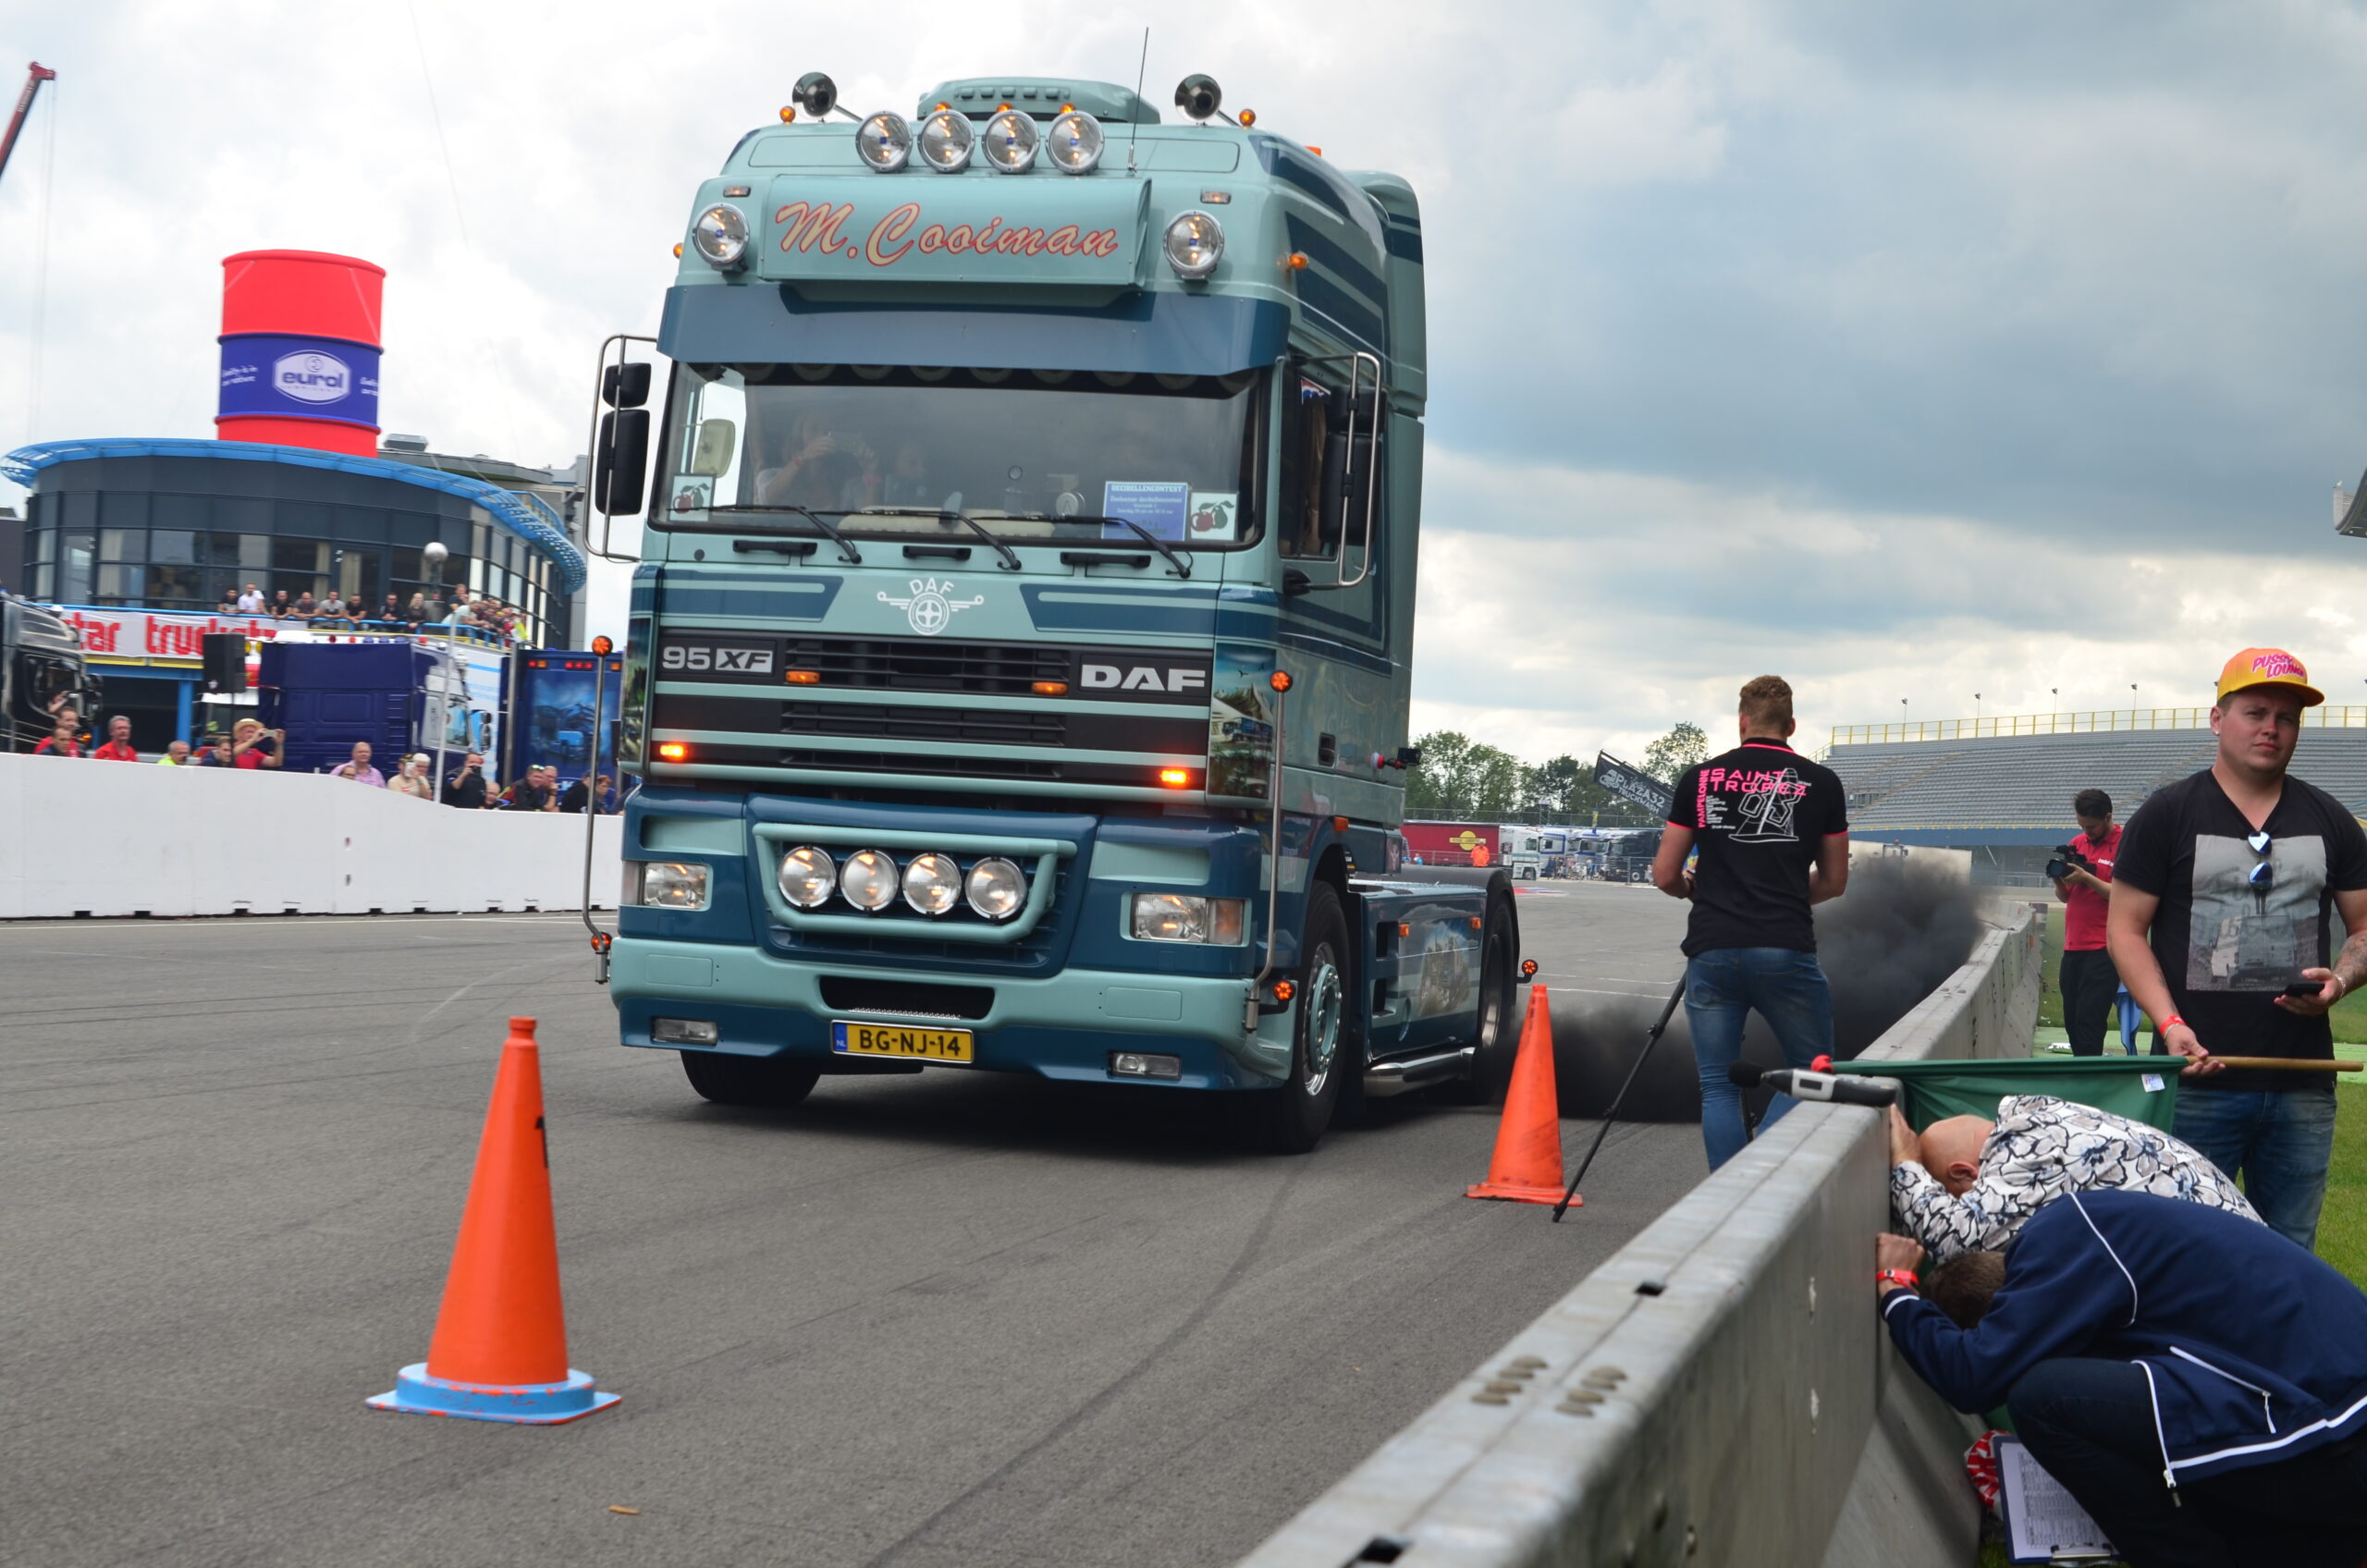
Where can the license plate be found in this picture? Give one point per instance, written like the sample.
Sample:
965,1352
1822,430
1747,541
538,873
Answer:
901,1042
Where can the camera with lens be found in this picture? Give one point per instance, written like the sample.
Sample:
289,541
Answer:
2060,863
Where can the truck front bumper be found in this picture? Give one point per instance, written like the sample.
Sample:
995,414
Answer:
1063,1025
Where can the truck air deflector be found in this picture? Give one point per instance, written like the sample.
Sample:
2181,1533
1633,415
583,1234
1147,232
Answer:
1146,331
774,839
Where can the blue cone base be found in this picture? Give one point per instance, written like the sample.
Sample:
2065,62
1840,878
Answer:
530,1404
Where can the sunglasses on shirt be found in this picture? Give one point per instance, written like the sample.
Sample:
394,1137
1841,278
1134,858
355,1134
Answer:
2263,875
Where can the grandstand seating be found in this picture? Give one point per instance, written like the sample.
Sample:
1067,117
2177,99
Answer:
2002,789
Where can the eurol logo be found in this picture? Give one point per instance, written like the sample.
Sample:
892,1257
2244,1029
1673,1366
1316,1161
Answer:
2278,664
311,377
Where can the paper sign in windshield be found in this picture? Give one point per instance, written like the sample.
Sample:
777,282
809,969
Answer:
1216,515
1163,510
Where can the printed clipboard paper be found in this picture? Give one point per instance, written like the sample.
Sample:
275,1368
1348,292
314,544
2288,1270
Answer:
2043,1522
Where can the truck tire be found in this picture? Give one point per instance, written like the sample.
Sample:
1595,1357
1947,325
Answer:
1292,1119
764,1081
1496,1016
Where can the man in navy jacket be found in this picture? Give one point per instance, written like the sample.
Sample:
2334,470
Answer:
2195,1380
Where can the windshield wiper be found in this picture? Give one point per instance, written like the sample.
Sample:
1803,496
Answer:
1182,566
855,557
947,514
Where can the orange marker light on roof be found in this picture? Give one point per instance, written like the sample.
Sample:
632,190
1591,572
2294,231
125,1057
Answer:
1248,118
1317,151
1175,777
1295,261
673,751
677,253
788,113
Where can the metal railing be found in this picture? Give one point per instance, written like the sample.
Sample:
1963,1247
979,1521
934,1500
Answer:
2100,722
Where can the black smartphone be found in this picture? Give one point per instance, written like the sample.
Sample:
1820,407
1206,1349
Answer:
2305,990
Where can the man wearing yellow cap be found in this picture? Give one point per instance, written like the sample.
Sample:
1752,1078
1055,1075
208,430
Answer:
2219,927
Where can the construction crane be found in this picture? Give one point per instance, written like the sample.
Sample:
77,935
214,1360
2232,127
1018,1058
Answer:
38,73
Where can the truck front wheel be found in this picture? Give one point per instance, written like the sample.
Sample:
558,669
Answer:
768,1082
1292,1119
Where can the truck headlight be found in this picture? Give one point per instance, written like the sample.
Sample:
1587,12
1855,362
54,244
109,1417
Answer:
672,884
807,876
1194,244
947,141
721,235
1075,143
1187,917
884,142
1011,143
868,879
932,884
996,888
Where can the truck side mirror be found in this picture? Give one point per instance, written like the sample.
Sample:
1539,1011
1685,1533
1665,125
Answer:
625,386
621,464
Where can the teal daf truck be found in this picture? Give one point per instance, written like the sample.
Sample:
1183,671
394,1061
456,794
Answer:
1018,664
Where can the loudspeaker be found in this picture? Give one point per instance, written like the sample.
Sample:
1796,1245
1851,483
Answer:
225,662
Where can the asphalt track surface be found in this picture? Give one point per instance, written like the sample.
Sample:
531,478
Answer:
957,1318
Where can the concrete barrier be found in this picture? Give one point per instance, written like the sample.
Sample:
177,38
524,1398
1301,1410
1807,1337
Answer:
1720,1390
79,837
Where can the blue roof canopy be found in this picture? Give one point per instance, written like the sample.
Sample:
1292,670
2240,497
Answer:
529,517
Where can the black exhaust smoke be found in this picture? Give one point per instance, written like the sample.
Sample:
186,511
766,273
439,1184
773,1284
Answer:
1902,927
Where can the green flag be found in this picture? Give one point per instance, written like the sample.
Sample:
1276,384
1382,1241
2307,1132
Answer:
2142,1088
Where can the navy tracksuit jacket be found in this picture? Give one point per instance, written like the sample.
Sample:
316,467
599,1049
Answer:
2255,1349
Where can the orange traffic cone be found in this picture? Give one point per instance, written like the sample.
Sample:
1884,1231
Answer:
1528,1163
500,1352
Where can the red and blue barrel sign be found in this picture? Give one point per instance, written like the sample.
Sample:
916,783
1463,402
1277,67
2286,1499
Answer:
299,351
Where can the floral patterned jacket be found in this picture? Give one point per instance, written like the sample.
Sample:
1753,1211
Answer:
2041,1149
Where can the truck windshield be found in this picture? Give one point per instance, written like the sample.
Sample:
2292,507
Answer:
1033,456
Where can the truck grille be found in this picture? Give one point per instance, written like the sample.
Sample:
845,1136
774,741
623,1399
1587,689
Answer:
911,998
904,664
891,722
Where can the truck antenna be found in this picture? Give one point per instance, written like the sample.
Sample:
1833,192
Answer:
1134,122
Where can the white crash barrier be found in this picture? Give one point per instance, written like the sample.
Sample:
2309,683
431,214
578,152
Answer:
79,837
1720,1389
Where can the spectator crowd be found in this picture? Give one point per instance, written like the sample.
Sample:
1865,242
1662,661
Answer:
248,744
337,613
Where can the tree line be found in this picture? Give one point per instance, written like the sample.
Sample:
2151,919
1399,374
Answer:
1461,779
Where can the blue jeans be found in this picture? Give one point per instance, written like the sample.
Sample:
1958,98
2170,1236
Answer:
1722,986
2279,1141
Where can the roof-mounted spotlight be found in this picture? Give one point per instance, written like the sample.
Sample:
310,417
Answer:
1198,95
816,94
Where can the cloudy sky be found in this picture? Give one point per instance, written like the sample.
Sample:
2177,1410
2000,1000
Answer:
1911,352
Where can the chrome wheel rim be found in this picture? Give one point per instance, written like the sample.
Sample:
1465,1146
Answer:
1322,1022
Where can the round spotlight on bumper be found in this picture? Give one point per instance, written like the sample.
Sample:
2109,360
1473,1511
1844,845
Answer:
868,879
1074,144
807,876
947,141
996,888
1194,244
884,142
1011,142
933,883
721,235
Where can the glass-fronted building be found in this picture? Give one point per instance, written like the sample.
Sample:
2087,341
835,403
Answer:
180,525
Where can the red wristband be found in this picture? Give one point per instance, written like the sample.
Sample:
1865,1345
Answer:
1897,1277
2173,1022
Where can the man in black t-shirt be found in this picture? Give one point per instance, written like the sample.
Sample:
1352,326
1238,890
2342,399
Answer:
466,789
1774,836
2221,898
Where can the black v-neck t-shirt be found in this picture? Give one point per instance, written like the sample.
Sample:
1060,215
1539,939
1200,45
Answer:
1758,814
2227,946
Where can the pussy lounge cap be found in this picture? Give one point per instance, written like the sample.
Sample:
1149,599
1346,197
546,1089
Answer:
2267,666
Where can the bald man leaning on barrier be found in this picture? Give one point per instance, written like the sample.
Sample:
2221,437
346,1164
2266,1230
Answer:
1969,1184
